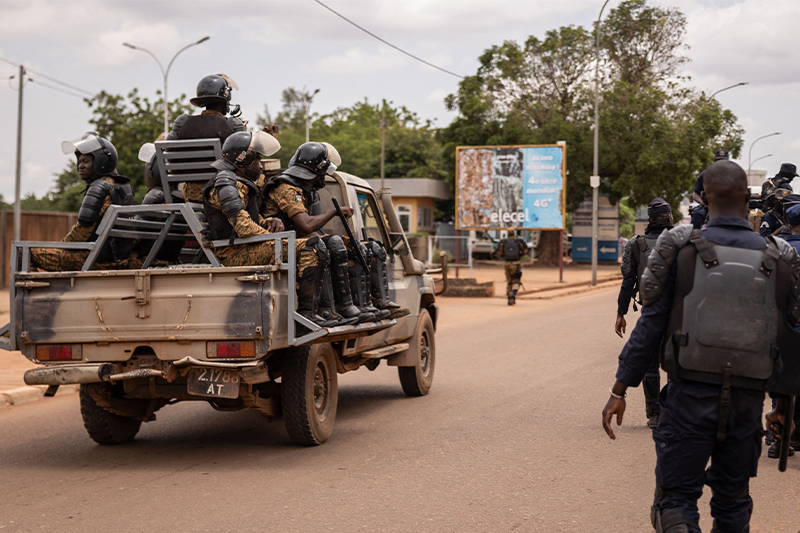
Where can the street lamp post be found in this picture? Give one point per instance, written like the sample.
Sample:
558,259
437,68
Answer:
750,152
595,179
307,99
165,73
730,87
756,160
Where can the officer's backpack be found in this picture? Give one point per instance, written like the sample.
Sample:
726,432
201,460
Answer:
729,322
512,250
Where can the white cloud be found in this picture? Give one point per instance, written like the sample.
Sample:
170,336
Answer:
438,95
357,61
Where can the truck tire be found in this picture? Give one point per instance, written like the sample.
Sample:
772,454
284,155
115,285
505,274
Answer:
105,427
309,393
417,380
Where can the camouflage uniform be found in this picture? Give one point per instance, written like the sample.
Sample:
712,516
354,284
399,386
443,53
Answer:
513,269
284,198
262,253
58,260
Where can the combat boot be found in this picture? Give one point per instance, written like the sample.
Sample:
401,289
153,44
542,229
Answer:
355,292
341,293
308,296
361,293
327,303
379,290
774,451
512,297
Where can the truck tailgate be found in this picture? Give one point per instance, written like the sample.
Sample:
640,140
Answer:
170,304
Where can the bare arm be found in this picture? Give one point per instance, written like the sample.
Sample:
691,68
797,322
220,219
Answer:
309,224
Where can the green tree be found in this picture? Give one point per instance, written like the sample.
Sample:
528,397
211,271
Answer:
656,132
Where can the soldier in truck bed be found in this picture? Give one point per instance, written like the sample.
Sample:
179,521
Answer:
293,197
97,163
214,94
231,201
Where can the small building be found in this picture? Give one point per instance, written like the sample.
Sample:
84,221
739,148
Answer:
413,199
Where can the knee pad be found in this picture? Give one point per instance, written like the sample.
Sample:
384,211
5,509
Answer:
377,250
516,276
336,248
318,246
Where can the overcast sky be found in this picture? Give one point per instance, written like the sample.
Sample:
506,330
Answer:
268,45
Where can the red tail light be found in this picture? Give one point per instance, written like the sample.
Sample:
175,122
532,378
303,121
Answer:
59,352
232,350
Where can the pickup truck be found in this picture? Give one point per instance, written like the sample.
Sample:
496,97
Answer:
137,340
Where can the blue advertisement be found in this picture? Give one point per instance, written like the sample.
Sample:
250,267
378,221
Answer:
510,187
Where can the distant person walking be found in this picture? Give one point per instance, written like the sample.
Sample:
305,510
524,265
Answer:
511,251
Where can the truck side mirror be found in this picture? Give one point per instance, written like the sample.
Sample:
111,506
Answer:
399,245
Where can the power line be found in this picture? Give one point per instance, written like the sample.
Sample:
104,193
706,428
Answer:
384,41
50,78
59,89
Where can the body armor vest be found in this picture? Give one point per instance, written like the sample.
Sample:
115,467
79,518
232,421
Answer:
205,127
310,200
725,317
218,223
512,250
115,248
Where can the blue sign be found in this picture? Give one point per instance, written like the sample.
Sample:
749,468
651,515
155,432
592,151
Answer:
607,251
510,187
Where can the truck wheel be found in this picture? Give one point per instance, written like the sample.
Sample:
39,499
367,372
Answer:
104,427
309,393
417,380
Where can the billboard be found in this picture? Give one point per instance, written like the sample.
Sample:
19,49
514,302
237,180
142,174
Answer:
510,187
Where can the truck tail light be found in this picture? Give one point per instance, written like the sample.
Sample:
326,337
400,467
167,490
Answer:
226,350
59,352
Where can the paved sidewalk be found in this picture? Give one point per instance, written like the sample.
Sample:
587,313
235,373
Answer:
537,278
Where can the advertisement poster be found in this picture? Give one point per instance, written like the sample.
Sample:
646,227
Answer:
510,187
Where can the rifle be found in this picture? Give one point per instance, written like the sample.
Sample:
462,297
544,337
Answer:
347,229
786,434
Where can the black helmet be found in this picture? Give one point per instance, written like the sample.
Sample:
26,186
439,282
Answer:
313,159
244,147
215,88
90,143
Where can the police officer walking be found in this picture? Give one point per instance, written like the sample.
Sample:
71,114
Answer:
699,213
712,406
634,257
511,250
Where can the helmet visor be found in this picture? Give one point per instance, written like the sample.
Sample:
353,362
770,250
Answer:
333,154
146,152
331,169
264,144
230,81
85,146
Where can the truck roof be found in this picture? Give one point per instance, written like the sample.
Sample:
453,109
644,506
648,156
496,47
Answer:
354,180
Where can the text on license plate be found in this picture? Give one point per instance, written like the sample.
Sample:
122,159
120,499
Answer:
213,382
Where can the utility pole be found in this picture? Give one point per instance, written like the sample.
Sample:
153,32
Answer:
383,140
307,98
18,175
595,179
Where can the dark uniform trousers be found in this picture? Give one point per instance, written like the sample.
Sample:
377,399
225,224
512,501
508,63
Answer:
686,437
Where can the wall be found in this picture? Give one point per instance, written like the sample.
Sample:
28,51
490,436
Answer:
414,203
35,226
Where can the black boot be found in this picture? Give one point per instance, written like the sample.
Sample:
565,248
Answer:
366,314
379,289
361,293
308,293
327,303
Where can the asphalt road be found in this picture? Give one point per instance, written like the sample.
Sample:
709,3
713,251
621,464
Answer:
509,439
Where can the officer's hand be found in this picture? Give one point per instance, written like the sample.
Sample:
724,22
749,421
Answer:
347,212
777,416
613,407
619,325
275,225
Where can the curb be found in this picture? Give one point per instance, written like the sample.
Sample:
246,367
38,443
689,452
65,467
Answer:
23,395
577,290
575,284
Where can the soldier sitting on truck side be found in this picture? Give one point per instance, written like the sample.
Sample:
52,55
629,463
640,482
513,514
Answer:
292,197
214,94
231,200
97,163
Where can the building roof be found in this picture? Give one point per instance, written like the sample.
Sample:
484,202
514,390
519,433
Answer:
414,188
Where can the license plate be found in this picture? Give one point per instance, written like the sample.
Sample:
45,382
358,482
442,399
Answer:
213,383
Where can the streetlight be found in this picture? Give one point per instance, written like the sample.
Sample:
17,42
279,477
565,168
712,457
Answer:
731,87
595,179
750,152
760,158
165,73
307,100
